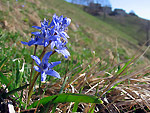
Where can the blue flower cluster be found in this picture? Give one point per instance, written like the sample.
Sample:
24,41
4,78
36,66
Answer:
53,34
44,67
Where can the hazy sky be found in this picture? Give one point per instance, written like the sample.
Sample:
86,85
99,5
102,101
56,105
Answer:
140,7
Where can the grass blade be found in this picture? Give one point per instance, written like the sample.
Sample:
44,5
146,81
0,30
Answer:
17,74
3,79
75,107
67,97
2,63
15,90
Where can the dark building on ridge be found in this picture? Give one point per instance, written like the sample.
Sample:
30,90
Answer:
107,9
97,9
119,12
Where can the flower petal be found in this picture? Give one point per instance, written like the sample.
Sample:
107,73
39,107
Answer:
46,57
64,52
68,21
65,34
36,33
37,60
46,42
25,43
37,69
43,76
36,27
53,73
52,45
54,38
39,41
31,42
53,64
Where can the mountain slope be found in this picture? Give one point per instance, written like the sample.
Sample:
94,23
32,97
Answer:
88,33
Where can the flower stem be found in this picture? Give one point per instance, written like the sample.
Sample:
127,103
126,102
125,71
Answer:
39,91
31,86
36,74
33,63
44,50
53,52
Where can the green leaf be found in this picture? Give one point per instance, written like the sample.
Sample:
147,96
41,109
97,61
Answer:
2,63
18,78
15,90
114,87
63,86
3,79
67,97
125,66
75,107
92,108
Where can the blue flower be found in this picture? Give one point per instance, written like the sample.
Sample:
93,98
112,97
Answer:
61,47
63,51
53,33
46,68
66,22
60,24
44,25
44,33
59,39
34,41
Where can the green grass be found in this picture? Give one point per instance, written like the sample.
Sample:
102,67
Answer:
93,33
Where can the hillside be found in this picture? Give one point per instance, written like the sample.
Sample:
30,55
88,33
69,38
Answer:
134,26
90,32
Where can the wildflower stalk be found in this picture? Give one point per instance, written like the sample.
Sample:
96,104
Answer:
36,76
53,34
44,50
33,63
31,86
39,85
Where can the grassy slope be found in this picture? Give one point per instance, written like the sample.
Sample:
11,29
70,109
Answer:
93,34
131,25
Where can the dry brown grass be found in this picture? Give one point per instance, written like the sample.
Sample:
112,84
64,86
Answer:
130,94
